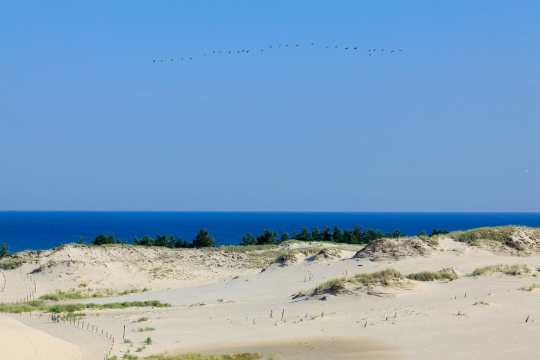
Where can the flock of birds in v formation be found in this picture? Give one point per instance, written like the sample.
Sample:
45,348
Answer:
369,51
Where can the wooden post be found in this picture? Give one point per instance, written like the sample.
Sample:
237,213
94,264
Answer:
124,336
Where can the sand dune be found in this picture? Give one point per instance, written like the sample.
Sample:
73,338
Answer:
225,301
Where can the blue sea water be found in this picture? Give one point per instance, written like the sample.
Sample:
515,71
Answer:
43,230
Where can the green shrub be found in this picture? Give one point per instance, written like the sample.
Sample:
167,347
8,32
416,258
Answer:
148,341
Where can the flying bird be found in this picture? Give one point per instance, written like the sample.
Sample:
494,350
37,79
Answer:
312,43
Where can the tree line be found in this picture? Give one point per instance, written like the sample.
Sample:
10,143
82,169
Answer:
268,237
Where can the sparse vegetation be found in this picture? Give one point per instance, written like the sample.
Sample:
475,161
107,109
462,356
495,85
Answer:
38,305
13,263
482,302
87,294
516,269
142,318
244,356
127,341
500,234
530,288
386,277
148,341
148,328
433,276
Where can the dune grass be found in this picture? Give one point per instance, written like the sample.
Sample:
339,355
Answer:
12,263
383,278
502,234
530,288
244,356
39,305
516,269
432,276
88,293
142,318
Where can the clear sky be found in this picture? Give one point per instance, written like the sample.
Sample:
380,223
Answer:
89,122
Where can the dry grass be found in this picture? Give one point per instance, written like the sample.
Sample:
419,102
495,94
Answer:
388,277
530,288
433,276
516,269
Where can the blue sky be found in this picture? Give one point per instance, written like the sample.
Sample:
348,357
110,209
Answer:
89,122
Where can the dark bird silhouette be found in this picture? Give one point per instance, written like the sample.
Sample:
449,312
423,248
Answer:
382,49
161,60
229,52
279,46
346,48
370,54
287,45
247,51
374,49
172,59
270,46
400,50
219,51
355,48
297,45
262,50
335,47
154,60
312,43
238,52
182,59
190,58
327,47
213,52
392,51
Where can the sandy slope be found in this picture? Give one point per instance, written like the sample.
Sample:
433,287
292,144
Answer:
21,342
469,318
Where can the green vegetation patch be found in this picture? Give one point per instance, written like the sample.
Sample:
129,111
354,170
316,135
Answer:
433,276
244,356
70,308
516,269
13,263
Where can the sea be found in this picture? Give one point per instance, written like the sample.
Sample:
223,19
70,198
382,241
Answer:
35,230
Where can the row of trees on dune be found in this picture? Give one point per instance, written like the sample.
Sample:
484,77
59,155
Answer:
268,237
203,239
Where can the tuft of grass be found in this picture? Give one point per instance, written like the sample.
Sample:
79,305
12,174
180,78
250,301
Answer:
516,269
530,288
148,328
432,276
244,356
143,318
127,341
384,277
482,302
140,349
130,357
148,341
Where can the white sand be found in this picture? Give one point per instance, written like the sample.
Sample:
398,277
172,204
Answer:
20,342
214,313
